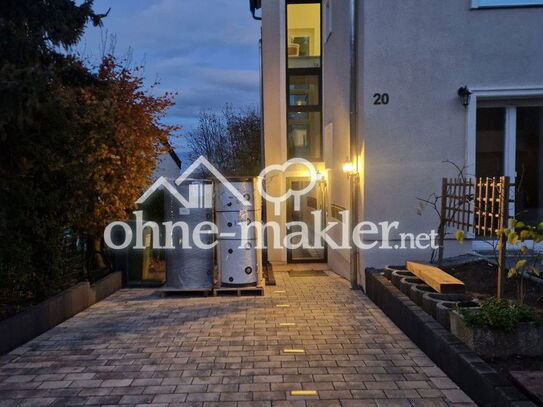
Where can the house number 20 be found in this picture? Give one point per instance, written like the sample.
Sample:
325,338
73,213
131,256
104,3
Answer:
380,98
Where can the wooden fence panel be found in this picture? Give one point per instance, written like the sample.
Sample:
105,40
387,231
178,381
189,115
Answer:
479,206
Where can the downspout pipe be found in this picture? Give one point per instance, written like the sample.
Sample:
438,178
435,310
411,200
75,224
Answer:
253,6
353,126
262,144
261,107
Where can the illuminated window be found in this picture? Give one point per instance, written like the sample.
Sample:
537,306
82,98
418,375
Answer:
304,135
304,35
304,118
303,90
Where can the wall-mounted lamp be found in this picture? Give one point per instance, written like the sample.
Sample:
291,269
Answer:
349,168
321,178
465,95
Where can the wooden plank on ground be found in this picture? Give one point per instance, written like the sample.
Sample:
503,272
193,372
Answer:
239,291
436,278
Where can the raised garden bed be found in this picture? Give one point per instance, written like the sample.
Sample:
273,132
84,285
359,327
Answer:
434,303
16,301
35,320
479,276
485,385
525,340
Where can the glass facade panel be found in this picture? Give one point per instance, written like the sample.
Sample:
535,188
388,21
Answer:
304,135
304,35
303,90
490,142
304,75
529,164
526,136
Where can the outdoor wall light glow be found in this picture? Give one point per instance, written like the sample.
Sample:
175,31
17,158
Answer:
465,95
348,167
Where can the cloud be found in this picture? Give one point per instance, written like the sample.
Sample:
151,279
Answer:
201,88
189,104
245,80
207,51
199,23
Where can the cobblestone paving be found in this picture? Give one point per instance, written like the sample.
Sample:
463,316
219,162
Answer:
136,349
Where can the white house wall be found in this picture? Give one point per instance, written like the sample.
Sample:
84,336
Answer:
421,52
274,109
336,106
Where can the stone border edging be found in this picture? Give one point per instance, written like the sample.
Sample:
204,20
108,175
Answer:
32,322
472,374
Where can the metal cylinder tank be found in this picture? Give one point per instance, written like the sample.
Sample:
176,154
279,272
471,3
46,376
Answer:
238,264
226,201
231,224
188,268
237,258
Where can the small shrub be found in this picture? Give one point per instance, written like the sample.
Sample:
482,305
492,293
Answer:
498,314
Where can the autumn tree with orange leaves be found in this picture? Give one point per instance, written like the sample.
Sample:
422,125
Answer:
122,147
78,145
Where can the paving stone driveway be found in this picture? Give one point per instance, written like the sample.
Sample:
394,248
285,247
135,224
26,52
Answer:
136,349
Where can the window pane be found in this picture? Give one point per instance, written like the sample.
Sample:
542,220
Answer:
529,200
303,90
490,142
311,201
506,3
304,35
304,135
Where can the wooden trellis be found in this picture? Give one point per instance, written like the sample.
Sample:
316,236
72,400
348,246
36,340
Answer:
479,206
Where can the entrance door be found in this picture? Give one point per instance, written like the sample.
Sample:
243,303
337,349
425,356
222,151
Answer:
313,201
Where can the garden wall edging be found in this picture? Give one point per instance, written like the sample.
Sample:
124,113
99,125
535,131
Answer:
34,321
525,340
472,374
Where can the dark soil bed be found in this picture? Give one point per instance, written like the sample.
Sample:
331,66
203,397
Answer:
517,364
524,366
479,276
480,279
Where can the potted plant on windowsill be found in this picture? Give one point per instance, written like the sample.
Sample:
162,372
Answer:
499,328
